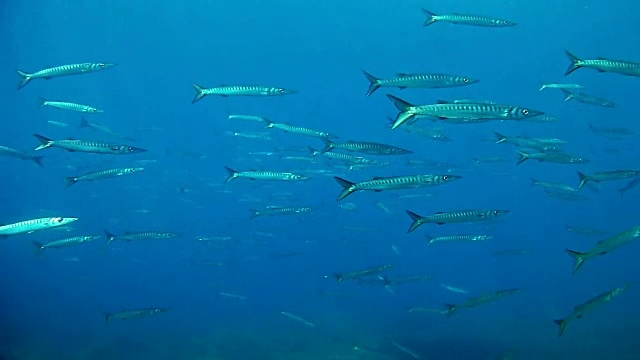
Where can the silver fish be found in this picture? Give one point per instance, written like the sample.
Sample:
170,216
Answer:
64,70
233,90
87,146
30,226
100,175
393,183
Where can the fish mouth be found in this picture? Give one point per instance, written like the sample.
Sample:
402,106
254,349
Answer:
109,65
289,92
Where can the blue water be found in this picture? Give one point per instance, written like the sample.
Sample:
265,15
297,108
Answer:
52,305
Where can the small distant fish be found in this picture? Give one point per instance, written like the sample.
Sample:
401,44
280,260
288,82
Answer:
492,159
58,123
393,183
457,238
406,350
297,318
607,176
561,86
298,129
340,277
580,310
479,300
466,19
454,289
631,185
87,146
134,236
347,158
611,132
64,70
603,65
18,154
365,147
40,247
84,123
603,247
71,106
279,210
264,175
250,135
428,80
226,90
101,175
454,217
551,157
554,186
135,313
588,99
30,226
245,117
584,230
232,296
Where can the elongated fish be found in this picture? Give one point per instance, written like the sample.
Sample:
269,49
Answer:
143,235
365,147
232,90
393,183
264,175
607,176
603,65
604,247
588,99
347,158
631,185
101,175
87,146
64,70
552,157
562,86
40,247
531,143
84,123
553,186
429,81
279,210
611,132
457,238
480,300
469,112
18,154
459,216
71,106
297,129
30,226
134,313
297,318
584,308
465,19
407,351
340,277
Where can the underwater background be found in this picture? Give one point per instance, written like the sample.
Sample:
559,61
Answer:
228,278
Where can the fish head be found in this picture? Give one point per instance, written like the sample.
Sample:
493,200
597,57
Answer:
106,65
499,212
60,221
501,22
521,113
125,149
281,91
449,178
465,80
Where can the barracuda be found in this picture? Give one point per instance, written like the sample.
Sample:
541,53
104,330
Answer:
350,159
441,218
64,70
40,247
340,277
604,247
465,19
457,238
30,226
100,175
226,90
393,183
87,146
465,111
144,235
552,157
603,65
580,310
298,129
18,154
432,80
135,313
479,300
279,210
365,147
588,99
71,106
608,176
264,175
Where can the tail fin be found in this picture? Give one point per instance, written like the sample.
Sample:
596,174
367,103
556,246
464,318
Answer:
583,179
568,95
254,213
622,191
579,259
501,138
399,103
575,63
84,122
431,17
45,142
429,239
107,317
312,151
38,160
543,87
25,79
199,93
39,247
110,236
269,122
373,82
328,145
534,182
417,220
523,157
348,187
562,324
339,278
451,309
232,173
70,180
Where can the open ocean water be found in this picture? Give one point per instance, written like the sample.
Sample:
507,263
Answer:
229,286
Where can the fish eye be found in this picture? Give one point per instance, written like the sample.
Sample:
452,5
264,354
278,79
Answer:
101,65
525,111
496,212
446,177
130,148
280,90
465,80
58,219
